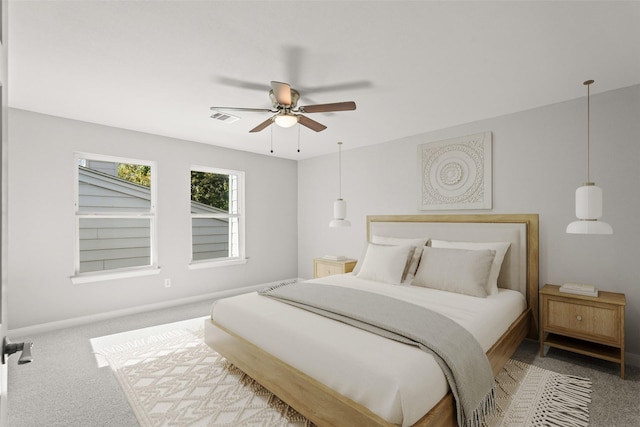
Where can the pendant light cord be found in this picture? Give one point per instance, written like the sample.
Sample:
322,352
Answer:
339,170
588,84
588,132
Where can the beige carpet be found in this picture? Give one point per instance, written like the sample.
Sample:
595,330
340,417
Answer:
171,378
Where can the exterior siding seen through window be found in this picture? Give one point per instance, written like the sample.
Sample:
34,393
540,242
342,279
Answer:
216,215
115,217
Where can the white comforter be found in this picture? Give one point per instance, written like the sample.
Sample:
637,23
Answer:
398,382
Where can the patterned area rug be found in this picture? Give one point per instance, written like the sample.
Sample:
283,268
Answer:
172,378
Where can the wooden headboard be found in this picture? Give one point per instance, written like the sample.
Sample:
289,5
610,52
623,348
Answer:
520,267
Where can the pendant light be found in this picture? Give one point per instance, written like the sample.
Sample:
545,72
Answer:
589,196
340,206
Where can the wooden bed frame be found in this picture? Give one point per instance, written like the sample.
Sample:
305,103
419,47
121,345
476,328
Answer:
324,406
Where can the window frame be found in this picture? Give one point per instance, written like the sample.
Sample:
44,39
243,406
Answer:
240,215
125,272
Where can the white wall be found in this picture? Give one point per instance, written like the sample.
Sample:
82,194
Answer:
539,159
41,220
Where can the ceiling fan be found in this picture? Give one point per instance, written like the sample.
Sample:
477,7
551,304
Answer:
287,112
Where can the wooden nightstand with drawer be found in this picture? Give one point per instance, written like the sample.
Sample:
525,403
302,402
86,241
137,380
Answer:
593,326
325,267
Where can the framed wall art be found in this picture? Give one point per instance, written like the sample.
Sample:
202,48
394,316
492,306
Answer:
456,173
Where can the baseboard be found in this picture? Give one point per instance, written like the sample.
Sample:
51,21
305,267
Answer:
77,321
632,359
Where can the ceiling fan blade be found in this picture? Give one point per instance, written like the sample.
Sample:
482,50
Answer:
255,110
311,124
262,125
243,84
325,108
360,84
282,92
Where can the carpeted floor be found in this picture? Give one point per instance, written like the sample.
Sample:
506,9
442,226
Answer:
66,386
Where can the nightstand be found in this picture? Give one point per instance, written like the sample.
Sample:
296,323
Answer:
593,326
325,267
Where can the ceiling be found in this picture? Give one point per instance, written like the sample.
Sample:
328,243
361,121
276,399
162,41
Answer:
410,66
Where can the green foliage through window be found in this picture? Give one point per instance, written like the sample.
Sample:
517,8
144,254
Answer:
138,174
211,189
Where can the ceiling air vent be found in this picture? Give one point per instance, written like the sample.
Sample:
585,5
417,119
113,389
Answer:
224,117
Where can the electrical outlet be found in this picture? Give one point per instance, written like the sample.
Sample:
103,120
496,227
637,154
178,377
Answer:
167,283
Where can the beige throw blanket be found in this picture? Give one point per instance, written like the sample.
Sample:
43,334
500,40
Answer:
460,356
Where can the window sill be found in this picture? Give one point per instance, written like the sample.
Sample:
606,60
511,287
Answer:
113,275
197,265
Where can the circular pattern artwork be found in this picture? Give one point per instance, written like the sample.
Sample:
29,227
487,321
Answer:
451,173
454,173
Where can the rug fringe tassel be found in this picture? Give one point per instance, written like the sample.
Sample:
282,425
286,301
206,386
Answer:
574,389
569,405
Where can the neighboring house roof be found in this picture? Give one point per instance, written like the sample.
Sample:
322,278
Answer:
113,184
197,207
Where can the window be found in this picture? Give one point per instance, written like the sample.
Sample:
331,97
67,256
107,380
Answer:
217,216
115,215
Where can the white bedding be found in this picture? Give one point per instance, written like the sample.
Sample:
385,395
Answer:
398,382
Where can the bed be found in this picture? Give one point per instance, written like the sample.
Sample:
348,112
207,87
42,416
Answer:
304,358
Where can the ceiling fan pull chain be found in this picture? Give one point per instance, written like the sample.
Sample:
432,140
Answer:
272,140
298,138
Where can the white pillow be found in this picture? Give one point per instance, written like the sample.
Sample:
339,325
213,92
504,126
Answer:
500,248
455,270
384,263
413,260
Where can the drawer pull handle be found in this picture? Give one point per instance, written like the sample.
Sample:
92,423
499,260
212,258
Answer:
579,317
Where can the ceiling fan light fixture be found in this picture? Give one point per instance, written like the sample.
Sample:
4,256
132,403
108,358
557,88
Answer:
284,100
286,120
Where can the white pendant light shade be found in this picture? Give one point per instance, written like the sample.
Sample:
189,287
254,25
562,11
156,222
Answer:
584,226
588,210
589,202
340,209
339,206
339,214
589,197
